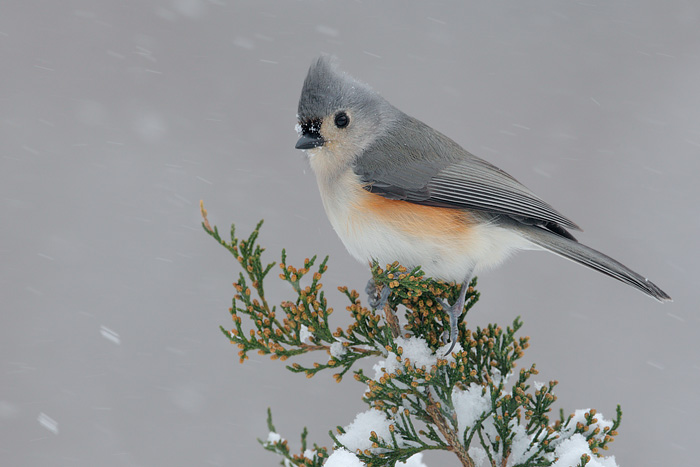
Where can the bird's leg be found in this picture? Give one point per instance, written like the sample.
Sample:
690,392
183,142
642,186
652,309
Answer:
375,298
379,300
455,311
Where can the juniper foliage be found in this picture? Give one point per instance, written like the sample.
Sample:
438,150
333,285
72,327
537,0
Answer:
419,393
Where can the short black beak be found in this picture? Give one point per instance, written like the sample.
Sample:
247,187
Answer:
309,141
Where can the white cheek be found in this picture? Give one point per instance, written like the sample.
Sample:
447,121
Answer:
312,153
322,163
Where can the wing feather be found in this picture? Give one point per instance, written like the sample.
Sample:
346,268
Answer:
432,169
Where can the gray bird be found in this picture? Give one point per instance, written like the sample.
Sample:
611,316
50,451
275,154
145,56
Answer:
395,189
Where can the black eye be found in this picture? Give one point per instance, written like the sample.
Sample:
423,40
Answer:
341,119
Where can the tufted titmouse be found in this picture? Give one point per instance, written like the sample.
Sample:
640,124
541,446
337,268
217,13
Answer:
395,189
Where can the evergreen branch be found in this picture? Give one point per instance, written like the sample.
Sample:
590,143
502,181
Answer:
306,458
472,402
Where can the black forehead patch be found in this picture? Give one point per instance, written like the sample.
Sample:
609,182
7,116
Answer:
310,126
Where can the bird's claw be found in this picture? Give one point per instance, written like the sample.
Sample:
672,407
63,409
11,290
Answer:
454,312
376,299
371,287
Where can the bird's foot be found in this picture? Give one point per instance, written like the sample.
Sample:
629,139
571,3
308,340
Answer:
455,311
375,298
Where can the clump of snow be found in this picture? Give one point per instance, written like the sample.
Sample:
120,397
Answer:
337,350
571,446
381,365
478,455
357,434
304,333
569,453
470,405
273,437
415,349
580,417
343,458
520,449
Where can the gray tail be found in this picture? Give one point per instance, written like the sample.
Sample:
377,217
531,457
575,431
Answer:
571,249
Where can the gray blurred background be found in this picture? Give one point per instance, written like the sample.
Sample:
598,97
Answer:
117,117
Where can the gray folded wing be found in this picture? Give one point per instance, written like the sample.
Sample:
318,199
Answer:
417,164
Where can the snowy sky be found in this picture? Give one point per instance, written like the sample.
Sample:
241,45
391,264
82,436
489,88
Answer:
118,117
